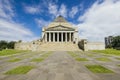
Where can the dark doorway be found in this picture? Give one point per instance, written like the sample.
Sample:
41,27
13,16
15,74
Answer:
63,37
59,37
55,37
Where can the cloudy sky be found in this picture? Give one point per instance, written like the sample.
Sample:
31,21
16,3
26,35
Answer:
24,19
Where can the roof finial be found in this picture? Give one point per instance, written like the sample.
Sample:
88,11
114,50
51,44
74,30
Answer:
60,16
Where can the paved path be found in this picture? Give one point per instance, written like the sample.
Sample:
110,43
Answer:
61,66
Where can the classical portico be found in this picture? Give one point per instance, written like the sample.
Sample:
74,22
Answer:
60,31
59,36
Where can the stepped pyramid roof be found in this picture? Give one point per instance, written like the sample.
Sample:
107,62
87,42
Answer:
60,20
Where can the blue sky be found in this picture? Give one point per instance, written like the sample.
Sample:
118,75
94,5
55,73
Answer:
24,19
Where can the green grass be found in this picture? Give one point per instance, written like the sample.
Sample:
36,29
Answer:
14,60
98,69
103,59
73,54
81,59
108,51
119,65
37,59
10,52
76,56
90,55
42,57
20,70
46,55
118,58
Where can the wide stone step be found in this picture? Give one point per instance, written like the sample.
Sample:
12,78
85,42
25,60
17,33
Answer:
57,46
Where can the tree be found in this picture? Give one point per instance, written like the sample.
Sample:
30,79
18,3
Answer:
10,45
3,44
20,41
116,42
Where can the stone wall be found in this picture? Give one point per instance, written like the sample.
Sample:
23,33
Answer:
95,46
27,46
84,45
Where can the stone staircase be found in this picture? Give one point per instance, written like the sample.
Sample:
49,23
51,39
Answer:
58,46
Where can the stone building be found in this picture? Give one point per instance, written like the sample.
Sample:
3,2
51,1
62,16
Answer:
60,31
59,35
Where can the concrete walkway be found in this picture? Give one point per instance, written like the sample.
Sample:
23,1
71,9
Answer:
61,66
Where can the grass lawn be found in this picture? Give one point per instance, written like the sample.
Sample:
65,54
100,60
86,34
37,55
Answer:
10,52
90,55
118,58
109,51
14,60
103,59
46,55
81,59
42,57
37,59
98,69
20,70
73,54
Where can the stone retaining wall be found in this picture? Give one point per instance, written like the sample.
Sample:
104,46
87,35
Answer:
84,45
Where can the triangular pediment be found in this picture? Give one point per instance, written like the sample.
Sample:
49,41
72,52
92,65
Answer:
60,28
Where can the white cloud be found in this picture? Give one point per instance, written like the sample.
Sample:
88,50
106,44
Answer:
32,9
53,9
10,30
41,22
73,11
100,20
6,9
63,10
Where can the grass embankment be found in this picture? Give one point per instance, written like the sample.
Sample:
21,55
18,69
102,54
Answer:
42,57
98,69
10,52
109,51
20,70
77,57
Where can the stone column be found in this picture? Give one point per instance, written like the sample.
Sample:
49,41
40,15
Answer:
50,36
61,36
70,36
66,37
58,37
53,37
45,36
